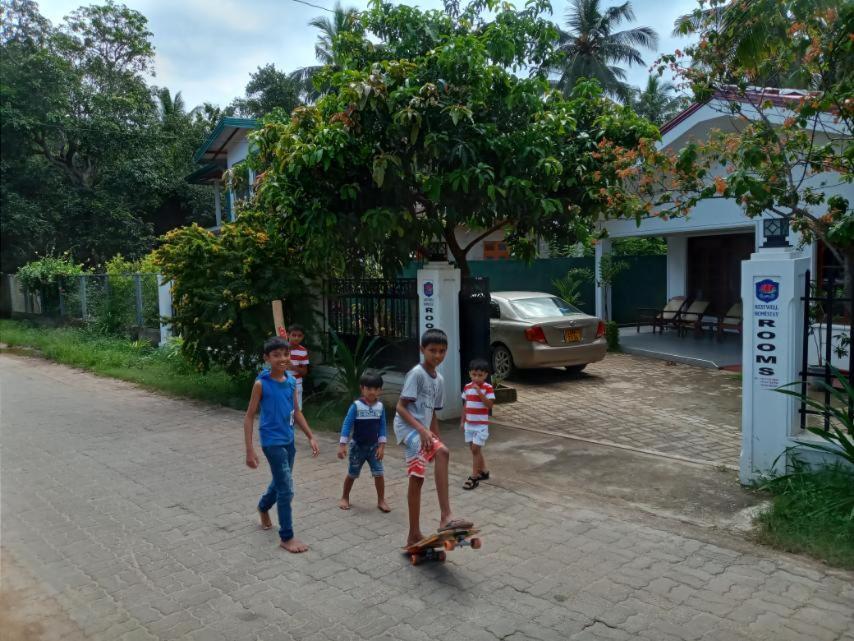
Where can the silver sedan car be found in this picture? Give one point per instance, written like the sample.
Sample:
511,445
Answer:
535,329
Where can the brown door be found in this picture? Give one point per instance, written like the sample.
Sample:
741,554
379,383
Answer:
714,269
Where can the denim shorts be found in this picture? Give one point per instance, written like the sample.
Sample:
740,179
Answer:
361,453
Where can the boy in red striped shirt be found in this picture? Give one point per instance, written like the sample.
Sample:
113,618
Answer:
478,399
299,358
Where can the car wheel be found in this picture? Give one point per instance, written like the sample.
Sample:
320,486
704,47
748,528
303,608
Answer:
575,369
502,362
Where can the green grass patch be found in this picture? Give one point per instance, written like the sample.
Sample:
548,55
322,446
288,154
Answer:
159,369
812,512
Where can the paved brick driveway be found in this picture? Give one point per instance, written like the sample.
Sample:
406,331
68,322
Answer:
677,410
133,514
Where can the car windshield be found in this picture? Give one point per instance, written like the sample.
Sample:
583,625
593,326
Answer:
543,307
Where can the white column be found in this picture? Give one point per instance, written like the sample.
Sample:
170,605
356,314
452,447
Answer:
164,303
602,247
677,266
772,283
217,203
439,308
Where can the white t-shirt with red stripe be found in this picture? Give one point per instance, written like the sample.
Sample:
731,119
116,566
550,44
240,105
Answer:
476,411
299,356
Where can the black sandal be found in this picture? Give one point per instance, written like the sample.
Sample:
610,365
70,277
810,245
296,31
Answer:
483,476
471,483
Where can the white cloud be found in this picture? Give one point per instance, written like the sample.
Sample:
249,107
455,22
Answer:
207,48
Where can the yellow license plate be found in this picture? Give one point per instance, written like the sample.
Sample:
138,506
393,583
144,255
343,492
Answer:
572,335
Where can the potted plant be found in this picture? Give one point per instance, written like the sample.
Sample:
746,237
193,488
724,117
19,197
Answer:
503,393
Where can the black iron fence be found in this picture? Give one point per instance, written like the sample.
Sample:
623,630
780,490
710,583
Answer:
827,327
385,308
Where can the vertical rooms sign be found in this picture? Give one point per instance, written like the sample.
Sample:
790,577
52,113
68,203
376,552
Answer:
767,332
428,306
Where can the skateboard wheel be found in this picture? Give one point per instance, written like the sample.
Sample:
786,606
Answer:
413,559
450,545
475,544
441,557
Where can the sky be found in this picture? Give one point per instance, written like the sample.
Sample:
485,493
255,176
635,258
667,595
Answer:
206,49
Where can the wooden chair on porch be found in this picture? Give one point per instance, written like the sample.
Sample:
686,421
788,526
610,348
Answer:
731,321
663,317
692,317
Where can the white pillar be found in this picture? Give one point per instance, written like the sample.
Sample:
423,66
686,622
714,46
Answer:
439,308
164,303
602,247
217,203
677,266
772,283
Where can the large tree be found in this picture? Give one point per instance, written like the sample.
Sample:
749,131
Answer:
790,157
592,48
434,132
87,161
658,101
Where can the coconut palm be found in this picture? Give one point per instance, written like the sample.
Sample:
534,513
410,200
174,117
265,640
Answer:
593,49
342,20
657,101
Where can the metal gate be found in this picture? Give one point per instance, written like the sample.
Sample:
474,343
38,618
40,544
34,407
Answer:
386,308
827,325
474,322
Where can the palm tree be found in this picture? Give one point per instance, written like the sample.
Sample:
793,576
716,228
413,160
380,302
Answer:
342,20
592,49
657,102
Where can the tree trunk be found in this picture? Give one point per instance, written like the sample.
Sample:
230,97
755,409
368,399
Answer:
459,254
848,282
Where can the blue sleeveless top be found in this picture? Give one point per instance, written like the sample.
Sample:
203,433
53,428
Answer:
276,426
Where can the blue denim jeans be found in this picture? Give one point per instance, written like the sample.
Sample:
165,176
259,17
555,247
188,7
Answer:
361,453
281,489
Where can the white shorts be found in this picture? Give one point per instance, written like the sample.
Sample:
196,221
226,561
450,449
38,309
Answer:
476,434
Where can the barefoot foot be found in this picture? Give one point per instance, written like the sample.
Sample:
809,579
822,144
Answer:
383,506
344,504
266,521
294,545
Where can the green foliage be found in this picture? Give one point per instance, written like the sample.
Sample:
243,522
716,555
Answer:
591,47
351,364
612,336
138,362
223,285
431,131
569,286
48,272
657,101
269,89
90,161
639,247
812,512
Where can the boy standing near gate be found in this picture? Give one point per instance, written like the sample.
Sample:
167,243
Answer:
478,399
274,392
417,429
299,358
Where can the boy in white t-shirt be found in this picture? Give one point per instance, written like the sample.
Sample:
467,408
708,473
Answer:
478,399
417,429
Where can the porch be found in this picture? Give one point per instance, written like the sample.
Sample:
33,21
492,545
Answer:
704,350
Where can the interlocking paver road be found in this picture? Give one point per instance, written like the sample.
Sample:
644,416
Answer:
637,402
134,513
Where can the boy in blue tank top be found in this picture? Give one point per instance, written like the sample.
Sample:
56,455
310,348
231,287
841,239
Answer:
364,429
275,393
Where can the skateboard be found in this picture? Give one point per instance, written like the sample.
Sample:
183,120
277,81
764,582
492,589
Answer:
433,547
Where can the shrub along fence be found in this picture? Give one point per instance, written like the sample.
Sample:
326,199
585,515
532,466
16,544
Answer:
122,304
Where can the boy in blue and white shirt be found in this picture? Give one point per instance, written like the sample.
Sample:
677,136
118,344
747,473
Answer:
364,429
